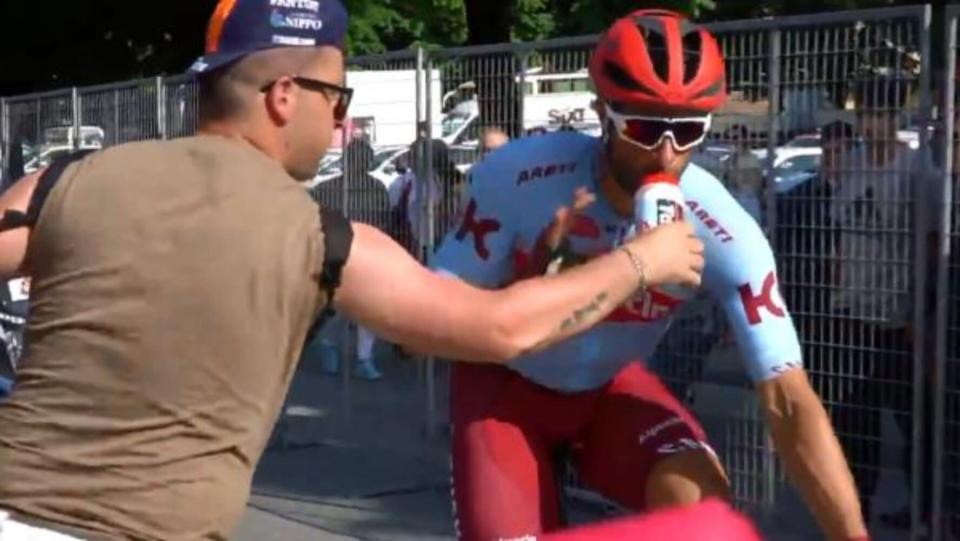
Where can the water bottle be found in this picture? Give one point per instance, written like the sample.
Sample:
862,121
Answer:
659,201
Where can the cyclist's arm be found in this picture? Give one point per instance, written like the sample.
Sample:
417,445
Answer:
13,242
745,281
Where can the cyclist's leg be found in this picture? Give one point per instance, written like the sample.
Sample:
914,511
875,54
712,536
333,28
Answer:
644,450
502,483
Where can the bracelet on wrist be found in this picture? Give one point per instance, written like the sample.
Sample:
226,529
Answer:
637,266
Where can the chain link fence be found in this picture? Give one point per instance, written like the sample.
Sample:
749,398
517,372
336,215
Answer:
825,141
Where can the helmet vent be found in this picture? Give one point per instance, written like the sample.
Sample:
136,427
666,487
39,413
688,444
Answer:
692,44
653,34
623,79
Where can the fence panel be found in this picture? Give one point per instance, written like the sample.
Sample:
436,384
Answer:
946,373
120,113
43,125
180,107
846,191
363,175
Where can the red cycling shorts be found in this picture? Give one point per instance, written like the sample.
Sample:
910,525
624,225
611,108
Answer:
507,428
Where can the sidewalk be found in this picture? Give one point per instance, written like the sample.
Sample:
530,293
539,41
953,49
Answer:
375,476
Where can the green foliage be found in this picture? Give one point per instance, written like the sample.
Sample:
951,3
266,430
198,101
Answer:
533,20
377,26
120,43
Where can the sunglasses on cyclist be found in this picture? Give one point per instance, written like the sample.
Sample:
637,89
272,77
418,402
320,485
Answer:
648,132
342,94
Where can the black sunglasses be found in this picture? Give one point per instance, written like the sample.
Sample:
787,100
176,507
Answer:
344,94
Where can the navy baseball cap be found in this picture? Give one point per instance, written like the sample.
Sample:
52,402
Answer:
240,27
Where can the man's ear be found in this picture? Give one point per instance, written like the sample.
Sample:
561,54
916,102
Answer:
281,100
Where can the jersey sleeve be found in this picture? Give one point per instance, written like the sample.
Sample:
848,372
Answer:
479,247
741,273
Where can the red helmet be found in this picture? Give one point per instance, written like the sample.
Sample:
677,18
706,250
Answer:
659,58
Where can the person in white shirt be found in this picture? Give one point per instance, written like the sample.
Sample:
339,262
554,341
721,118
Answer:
873,276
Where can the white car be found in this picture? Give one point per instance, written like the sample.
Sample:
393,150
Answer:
43,158
796,168
387,166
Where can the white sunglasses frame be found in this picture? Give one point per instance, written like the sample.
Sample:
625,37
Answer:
620,122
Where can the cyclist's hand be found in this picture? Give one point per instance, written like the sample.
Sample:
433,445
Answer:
671,254
553,236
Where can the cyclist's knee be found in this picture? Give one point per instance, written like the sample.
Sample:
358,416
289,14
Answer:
686,477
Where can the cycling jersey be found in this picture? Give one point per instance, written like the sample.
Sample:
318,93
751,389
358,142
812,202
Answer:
514,195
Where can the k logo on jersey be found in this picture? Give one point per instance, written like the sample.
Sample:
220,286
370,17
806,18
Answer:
768,300
479,228
646,306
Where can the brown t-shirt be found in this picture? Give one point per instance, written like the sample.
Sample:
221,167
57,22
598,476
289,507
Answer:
174,283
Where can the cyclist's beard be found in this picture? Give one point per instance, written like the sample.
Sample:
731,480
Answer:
626,177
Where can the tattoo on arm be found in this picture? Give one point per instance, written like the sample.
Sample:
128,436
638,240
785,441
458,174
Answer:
582,314
577,318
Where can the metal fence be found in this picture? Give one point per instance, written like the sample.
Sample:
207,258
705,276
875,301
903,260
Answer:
813,144
945,376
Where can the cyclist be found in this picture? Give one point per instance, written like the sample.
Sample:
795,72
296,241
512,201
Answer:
658,78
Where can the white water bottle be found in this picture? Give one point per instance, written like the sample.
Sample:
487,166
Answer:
659,201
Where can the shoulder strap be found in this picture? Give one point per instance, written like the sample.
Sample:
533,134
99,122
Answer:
13,219
337,239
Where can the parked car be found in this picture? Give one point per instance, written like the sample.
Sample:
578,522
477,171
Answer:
388,163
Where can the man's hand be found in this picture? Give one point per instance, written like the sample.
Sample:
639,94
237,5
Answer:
683,268
670,253
552,240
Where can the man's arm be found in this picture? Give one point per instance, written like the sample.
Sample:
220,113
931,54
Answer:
808,446
13,242
801,430
741,273
389,292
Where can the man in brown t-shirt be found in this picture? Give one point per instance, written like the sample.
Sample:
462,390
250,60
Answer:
174,284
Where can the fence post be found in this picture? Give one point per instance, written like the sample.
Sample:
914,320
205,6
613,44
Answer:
425,176
773,129
921,267
943,262
5,146
77,117
521,92
116,116
161,110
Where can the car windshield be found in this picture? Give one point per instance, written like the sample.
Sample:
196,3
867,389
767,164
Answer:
799,163
57,136
453,122
808,141
381,156
330,163
29,152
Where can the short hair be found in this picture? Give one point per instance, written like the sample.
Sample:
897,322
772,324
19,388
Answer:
225,92
837,130
218,96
